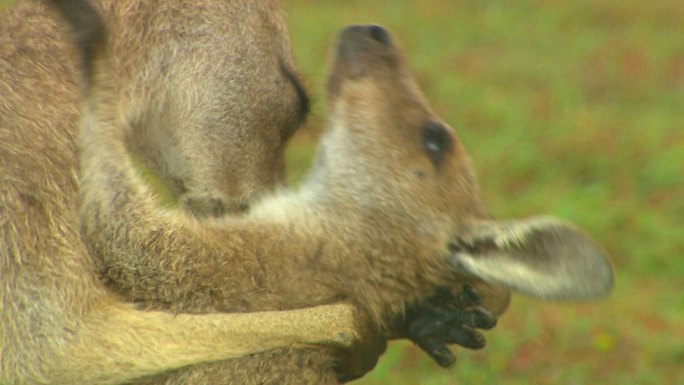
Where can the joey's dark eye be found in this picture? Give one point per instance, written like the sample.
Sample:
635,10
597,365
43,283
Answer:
436,141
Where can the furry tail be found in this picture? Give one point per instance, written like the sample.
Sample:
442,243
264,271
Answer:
89,32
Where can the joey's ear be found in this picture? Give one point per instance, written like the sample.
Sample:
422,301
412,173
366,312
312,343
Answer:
542,257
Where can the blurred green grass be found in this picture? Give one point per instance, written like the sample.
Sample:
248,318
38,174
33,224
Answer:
575,109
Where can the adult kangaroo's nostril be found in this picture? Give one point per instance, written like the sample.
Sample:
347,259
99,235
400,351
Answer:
380,34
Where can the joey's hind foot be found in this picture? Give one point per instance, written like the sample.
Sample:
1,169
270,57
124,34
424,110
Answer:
446,318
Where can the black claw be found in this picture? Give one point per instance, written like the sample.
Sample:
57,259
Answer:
466,337
484,319
438,351
477,317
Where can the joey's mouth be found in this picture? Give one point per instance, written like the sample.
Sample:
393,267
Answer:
208,206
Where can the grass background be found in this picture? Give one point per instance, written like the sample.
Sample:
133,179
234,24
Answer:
571,108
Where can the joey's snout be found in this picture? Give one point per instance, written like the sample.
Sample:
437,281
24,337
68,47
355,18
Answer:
375,32
362,39
361,51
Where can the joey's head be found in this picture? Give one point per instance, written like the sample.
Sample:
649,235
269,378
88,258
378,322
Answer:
385,153
387,159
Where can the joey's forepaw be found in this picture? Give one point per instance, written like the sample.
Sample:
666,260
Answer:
445,319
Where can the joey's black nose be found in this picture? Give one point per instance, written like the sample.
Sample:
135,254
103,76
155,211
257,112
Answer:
357,34
361,47
363,50
379,34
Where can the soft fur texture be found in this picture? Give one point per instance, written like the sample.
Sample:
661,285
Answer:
375,223
371,224
58,323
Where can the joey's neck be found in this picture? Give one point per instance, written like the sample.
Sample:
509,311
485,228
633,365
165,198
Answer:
345,254
317,236
311,214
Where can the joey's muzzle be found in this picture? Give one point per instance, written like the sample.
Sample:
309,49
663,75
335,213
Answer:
362,49
357,34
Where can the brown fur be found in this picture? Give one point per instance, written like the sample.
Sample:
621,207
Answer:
389,214
186,69
58,324
381,249
393,234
